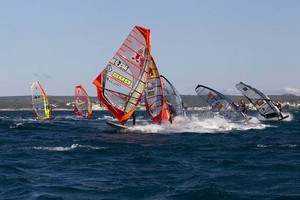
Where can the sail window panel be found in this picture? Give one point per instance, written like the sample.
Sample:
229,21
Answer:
135,97
172,94
140,87
144,75
154,100
127,59
40,108
153,84
219,103
117,100
135,35
135,45
130,107
155,111
155,104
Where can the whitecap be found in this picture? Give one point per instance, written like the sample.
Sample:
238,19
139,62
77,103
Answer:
17,125
72,147
261,146
197,124
289,145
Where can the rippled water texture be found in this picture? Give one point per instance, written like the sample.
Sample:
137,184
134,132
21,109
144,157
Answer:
200,157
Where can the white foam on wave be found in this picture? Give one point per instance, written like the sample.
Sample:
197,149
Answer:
17,125
72,147
199,124
21,122
261,146
67,117
106,118
290,116
288,119
290,146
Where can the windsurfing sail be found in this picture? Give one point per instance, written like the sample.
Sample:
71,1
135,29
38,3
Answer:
260,101
83,104
121,84
40,101
171,95
154,96
220,103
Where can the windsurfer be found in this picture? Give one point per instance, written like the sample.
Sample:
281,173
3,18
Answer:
185,108
133,119
278,105
50,110
242,106
75,109
171,109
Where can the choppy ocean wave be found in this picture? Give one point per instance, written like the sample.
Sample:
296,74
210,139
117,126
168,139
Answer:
72,147
200,157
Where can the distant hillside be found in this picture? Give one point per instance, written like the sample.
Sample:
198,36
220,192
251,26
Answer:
24,102
65,102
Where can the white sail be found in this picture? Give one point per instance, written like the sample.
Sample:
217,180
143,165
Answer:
220,103
260,101
40,102
170,93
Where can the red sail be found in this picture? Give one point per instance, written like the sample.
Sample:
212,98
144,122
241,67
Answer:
83,104
121,84
154,96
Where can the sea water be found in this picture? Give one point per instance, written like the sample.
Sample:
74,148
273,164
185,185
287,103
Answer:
200,157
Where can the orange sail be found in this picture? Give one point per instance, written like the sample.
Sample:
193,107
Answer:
83,104
154,96
121,84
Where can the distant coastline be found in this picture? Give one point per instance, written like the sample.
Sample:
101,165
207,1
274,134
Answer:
63,103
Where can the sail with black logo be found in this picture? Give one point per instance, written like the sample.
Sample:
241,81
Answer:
220,103
263,104
121,84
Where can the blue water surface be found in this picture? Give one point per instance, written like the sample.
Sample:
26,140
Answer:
70,157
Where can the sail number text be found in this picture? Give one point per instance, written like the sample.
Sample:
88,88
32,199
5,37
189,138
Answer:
121,65
121,78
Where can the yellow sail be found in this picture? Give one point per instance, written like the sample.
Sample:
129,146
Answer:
40,101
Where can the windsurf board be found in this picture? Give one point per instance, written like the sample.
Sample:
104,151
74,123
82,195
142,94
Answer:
117,126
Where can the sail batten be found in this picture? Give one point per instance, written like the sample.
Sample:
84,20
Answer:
136,39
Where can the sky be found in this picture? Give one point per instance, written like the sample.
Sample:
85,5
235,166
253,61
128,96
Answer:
217,43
